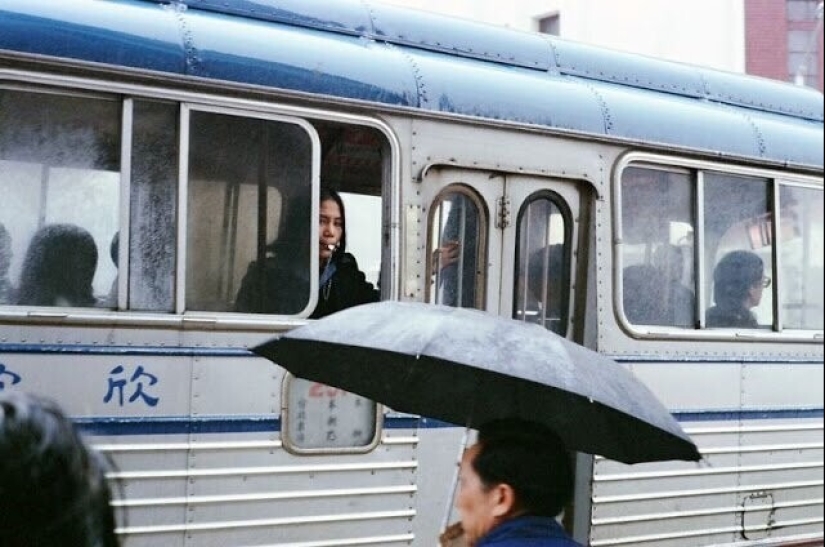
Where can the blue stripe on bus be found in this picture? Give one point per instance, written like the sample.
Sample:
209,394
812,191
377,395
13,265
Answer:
183,425
749,414
126,350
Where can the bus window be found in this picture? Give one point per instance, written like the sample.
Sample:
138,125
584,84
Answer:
801,244
543,271
456,247
60,181
738,251
657,247
248,226
153,207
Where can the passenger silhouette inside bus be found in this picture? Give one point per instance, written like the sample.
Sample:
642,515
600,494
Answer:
642,291
738,284
59,266
677,299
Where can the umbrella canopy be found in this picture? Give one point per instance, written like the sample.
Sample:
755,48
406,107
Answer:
467,367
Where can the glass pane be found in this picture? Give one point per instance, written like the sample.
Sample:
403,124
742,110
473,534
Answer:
457,243
154,207
248,238
802,242
657,248
738,249
542,271
323,418
60,181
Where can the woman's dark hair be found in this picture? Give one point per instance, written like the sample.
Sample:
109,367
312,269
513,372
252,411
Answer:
733,277
60,262
327,194
530,458
53,491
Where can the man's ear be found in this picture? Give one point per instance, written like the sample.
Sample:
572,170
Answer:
504,500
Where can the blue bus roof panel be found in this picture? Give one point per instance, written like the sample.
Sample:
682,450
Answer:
394,24
402,57
510,93
228,48
116,34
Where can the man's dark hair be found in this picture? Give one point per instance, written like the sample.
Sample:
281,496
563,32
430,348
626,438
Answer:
53,491
734,275
530,458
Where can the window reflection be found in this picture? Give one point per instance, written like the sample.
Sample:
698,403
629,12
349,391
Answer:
542,272
60,181
248,227
457,246
657,250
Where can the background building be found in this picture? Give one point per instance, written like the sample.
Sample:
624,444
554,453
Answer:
780,39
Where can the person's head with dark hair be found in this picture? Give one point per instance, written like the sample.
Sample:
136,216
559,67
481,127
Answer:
59,266
333,225
738,280
517,468
53,490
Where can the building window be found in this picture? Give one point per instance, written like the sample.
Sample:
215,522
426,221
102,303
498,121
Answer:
550,24
804,31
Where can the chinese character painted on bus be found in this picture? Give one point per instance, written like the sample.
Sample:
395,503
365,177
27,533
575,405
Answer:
9,376
138,383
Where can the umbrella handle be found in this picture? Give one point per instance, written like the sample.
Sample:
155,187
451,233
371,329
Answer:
448,513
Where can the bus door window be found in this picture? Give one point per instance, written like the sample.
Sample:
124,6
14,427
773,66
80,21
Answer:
542,264
249,219
456,248
60,181
738,251
801,263
657,247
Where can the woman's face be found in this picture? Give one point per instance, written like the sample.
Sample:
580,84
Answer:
476,504
331,228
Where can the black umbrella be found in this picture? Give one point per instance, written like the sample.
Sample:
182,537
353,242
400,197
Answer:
467,367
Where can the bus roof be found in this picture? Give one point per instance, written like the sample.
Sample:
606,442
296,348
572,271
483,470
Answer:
397,56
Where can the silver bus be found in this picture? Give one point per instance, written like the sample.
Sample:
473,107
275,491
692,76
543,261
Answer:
151,150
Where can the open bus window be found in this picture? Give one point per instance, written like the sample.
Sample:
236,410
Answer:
543,269
657,250
456,247
248,227
60,181
320,418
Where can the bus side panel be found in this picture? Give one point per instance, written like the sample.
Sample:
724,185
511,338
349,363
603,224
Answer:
761,474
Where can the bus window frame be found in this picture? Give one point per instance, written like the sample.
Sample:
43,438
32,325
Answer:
776,180
186,108
49,83
569,225
431,276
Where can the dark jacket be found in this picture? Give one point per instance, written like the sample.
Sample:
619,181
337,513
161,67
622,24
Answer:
527,532
721,316
348,287
276,289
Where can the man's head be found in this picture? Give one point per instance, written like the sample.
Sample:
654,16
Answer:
738,279
517,467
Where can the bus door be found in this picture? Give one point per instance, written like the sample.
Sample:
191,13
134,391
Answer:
502,242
